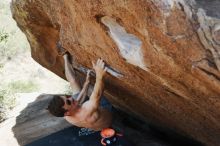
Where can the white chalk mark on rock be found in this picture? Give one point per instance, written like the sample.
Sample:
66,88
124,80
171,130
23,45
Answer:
110,70
128,44
206,35
164,5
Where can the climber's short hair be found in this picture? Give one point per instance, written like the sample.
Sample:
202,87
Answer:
55,106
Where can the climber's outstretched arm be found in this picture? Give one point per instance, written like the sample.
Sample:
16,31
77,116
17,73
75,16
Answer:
70,74
82,96
94,100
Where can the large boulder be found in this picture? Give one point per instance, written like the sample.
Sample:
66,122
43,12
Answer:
163,55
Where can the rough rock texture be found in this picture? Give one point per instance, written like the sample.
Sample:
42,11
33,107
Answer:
164,55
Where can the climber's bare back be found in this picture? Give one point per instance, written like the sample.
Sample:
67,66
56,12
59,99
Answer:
90,114
99,119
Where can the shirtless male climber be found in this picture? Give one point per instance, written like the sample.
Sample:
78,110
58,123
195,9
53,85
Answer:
88,114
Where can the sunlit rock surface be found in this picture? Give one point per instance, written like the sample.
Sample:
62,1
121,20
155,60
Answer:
164,54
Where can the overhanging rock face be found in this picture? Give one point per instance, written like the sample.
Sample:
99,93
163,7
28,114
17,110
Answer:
164,55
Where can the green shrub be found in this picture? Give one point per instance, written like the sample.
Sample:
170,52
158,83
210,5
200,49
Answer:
7,102
3,36
22,86
8,95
